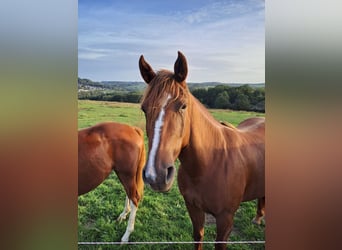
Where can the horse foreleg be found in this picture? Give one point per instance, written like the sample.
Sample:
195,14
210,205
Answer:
260,211
130,224
197,217
125,212
224,225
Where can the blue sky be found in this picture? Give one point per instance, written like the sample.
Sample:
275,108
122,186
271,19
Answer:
222,40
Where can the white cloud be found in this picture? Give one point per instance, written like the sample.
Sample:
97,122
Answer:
92,53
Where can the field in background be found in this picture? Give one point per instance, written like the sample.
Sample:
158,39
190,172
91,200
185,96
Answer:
92,112
161,216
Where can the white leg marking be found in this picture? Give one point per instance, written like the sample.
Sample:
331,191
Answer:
258,220
150,171
126,211
130,224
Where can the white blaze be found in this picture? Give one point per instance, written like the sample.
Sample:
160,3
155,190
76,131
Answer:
150,170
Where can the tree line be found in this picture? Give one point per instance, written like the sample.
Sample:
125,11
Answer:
112,96
243,97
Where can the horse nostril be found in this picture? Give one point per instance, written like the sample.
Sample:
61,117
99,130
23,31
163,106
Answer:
170,174
148,178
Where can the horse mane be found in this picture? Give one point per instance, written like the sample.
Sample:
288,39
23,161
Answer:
162,83
227,124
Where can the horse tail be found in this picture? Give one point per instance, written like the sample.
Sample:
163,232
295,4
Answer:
141,164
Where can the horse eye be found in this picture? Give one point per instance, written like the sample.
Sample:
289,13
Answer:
183,106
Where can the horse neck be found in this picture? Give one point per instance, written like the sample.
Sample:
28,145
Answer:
206,133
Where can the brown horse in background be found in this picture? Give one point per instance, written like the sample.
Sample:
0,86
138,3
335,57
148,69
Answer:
221,165
113,146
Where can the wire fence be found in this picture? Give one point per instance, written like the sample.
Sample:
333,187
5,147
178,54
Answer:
170,242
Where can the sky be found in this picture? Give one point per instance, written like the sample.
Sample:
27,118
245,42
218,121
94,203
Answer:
223,40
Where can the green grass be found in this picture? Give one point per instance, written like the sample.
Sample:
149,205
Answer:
161,216
92,112
233,117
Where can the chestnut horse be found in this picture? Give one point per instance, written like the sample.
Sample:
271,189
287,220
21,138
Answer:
221,165
113,146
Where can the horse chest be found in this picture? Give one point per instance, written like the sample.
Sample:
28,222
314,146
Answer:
212,192
198,192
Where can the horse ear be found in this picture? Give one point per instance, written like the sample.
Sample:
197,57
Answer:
180,68
146,70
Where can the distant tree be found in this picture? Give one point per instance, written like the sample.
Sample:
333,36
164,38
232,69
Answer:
259,107
201,95
213,94
242,102
222,100
243,97
257,96
116,97
232,93
246,90
133,97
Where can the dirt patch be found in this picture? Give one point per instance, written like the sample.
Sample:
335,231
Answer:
209,219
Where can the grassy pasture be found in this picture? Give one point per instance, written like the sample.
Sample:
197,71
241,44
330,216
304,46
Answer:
161,216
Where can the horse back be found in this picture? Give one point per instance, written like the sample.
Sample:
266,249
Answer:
252,123
122,142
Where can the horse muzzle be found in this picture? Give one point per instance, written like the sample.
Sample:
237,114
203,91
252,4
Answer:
163,179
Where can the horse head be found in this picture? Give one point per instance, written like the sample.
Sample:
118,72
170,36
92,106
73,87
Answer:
166,105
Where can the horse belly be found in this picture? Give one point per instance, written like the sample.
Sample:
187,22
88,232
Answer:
255,187
257,193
